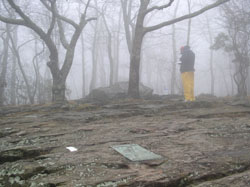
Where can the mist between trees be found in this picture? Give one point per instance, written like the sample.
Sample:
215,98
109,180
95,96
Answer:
59,50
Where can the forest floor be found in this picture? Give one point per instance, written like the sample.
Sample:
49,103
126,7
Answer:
203,143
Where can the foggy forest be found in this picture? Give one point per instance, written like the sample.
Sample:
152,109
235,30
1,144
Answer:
124,93
62,50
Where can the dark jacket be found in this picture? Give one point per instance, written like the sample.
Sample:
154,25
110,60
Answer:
187,60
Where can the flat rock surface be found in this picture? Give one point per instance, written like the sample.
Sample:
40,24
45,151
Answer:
203,143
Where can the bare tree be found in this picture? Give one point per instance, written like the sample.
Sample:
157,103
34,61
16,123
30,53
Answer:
110,52
129,25
236,41
59,74
141,31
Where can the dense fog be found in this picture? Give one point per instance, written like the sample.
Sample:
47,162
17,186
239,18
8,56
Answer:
104,39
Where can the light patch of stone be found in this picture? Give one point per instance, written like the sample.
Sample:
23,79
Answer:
135,152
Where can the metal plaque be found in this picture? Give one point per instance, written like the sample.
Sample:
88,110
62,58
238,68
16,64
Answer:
135,152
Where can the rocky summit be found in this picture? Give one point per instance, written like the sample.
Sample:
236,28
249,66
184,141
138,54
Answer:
202,143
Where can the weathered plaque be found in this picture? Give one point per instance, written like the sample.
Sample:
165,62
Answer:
134,152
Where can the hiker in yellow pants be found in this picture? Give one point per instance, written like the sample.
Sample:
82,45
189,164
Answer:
187,72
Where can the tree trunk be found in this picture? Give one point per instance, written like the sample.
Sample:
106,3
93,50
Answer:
173,75
134,73
13,72
212,71
4,65
103,81
126,8
13,82
211,56
224,79
58,90
94,60
242,89
248,82
135,56
58,85
37,89
83,69
117,50
47,85
110,55
231,77
189,23
240,79
111,61
38,77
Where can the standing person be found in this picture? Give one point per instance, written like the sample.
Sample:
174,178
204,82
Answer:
187,72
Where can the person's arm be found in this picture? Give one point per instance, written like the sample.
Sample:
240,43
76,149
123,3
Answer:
183,58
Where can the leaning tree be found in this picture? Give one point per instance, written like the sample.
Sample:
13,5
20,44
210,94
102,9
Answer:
59,74
140,31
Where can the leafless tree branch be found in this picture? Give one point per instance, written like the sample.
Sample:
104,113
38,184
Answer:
188,16
159,7
69,21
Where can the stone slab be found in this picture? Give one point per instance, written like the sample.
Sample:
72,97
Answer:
135,152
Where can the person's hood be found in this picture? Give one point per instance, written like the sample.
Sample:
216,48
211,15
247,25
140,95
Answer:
185,49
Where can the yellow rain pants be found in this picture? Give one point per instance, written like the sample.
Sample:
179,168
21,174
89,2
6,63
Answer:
188,85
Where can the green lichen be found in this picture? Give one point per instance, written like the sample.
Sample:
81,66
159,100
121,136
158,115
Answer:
33,184
35,177
16,180
107,184
113,183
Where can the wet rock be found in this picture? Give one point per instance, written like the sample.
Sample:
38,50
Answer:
7,132
13,155
202,142
21,133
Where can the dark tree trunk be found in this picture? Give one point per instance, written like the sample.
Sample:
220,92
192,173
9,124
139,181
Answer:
134,73
58,90
135,55
240,78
